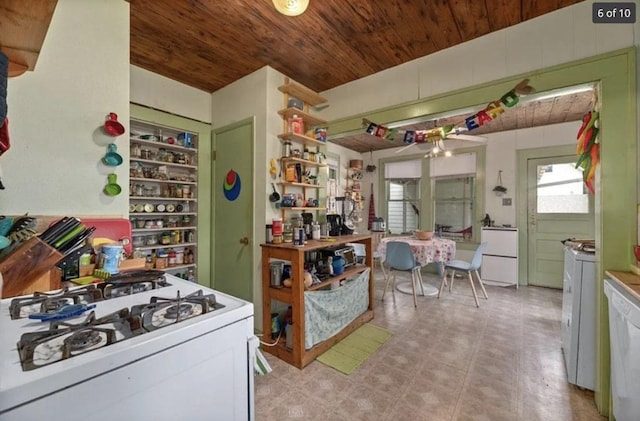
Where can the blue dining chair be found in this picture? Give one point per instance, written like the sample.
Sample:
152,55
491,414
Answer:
399,257
468,268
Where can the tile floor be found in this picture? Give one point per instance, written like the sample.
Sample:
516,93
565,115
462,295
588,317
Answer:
446,360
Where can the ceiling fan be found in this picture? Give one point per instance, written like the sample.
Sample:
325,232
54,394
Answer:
433,140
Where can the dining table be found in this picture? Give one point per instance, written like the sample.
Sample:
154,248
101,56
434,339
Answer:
436,250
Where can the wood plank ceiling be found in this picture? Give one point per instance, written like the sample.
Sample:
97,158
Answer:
208,44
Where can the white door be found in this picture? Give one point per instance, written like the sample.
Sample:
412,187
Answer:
558,207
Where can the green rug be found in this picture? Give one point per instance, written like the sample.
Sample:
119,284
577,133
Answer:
349,353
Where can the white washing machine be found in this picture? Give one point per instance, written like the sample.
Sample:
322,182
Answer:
624,334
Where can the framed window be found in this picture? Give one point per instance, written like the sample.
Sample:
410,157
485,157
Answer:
333,181
455,195
403,201
454,206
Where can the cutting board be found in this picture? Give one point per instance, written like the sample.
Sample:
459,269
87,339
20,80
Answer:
116,229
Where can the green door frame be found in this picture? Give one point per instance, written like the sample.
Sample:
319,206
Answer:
205,228
616,223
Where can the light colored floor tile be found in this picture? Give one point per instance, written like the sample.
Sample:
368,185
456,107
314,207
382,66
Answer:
446,360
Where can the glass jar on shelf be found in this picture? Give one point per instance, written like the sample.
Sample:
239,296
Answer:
135,150
137,253
162,258
162,154
151,240
165,239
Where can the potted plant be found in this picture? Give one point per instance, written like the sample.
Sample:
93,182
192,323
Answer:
499,189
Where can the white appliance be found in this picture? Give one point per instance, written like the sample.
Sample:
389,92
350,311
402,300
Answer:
579,317
169,360
624,336
500,258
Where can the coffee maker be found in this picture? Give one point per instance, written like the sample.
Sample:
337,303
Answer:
335,225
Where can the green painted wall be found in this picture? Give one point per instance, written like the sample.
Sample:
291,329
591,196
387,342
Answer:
205,229
617,180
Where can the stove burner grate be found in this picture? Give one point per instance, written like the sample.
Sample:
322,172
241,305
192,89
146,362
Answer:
161,311
127,283
50,302
63,340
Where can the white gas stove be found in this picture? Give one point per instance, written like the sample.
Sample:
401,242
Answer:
159,349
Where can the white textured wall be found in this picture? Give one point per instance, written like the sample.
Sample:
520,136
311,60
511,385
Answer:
559,37
501,155
56,113
254,95
161,93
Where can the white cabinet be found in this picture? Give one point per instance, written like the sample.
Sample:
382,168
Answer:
579,317
624,333
500,258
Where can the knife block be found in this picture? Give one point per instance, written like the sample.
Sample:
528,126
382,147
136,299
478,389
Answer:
31,265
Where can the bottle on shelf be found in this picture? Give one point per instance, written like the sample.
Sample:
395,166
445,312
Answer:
171,258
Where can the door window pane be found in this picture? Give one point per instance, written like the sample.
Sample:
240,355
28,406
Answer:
560,189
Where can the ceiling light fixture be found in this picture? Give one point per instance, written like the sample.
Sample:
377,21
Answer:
291,7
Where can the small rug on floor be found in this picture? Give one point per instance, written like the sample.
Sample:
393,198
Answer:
349,353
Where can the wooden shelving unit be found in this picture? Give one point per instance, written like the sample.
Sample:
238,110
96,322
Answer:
298,355
307,190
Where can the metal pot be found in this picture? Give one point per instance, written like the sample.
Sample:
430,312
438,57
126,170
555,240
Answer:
378,224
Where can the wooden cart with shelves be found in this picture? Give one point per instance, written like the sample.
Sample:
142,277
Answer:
298,355
163,189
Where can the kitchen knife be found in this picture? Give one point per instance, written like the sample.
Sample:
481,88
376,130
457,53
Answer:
46,235
62,230
77,230
77,240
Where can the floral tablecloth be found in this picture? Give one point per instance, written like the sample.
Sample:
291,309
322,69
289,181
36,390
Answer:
425,251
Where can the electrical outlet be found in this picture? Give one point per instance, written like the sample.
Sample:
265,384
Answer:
506,201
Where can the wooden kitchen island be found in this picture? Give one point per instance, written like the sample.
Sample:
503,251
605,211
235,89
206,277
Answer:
298,355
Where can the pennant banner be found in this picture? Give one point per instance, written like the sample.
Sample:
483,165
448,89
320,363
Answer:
492,111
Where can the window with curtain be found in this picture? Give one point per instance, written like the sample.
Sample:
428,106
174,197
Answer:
403,195
403,205
454,194
454,206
